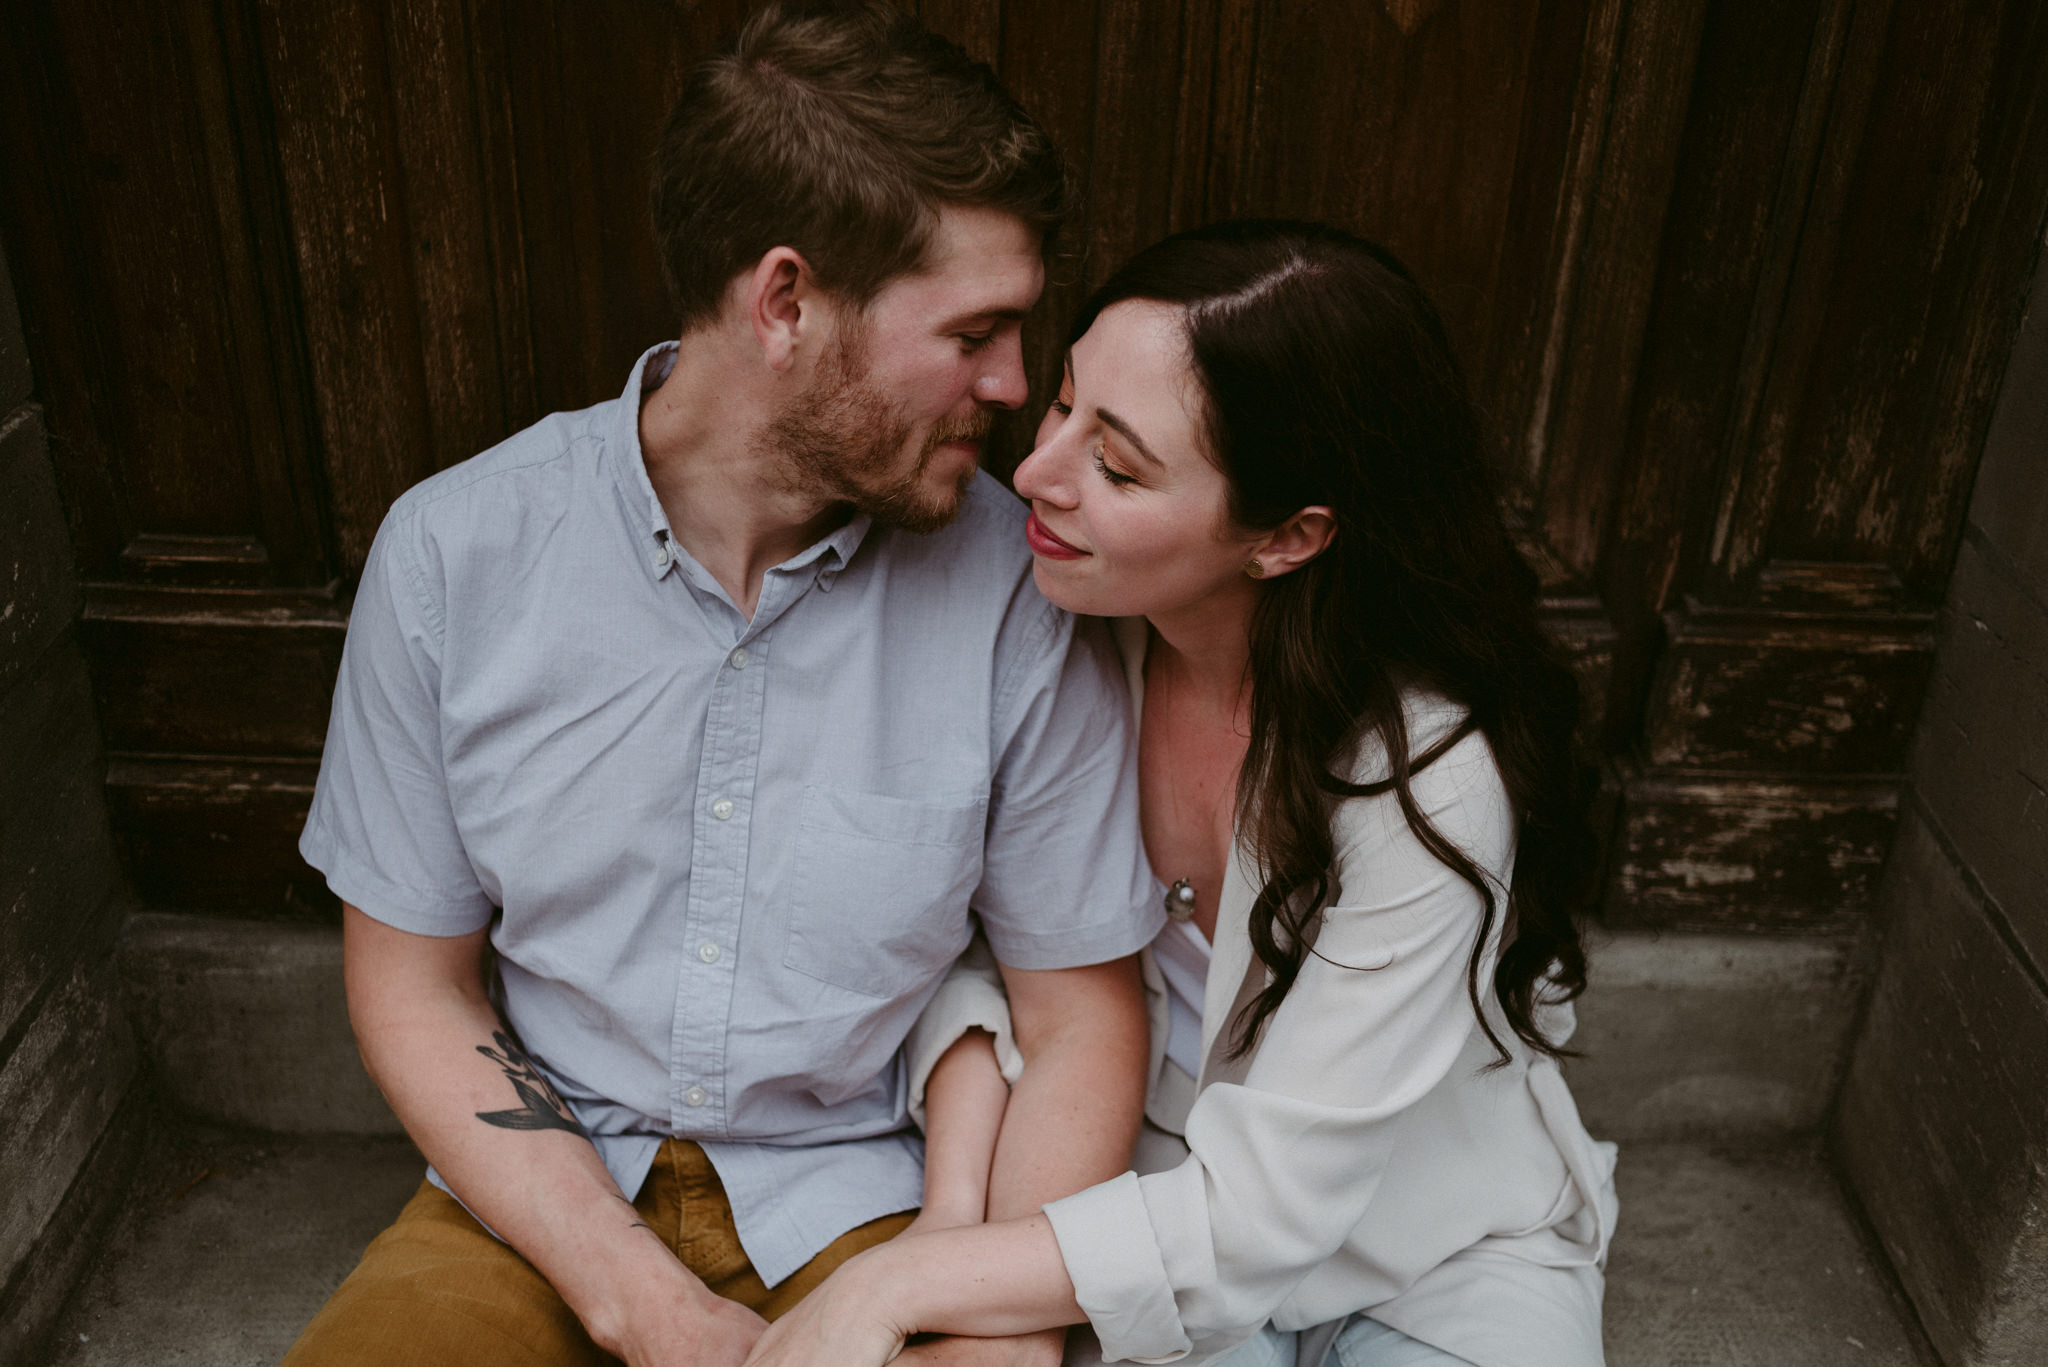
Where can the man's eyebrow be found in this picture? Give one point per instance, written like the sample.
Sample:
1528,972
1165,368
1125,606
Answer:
1004,314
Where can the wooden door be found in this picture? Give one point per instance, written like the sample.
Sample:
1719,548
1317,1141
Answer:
1733,281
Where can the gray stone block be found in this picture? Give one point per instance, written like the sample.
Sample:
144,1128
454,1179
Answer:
38,584
1711,1036
59,1087
57,872
1943,1125
247,1024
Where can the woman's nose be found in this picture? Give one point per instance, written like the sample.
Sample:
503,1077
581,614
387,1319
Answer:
1039,477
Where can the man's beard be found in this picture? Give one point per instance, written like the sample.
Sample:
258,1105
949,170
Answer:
843,438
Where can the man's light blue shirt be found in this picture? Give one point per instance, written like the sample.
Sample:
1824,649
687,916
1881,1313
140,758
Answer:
725,862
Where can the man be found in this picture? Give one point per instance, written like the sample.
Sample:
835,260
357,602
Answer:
712,711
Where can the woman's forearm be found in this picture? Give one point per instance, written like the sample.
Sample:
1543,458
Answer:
983,1280
964,1104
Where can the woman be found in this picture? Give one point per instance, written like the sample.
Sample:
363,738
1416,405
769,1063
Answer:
1357,778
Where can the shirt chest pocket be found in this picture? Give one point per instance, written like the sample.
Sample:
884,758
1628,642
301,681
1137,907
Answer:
878,901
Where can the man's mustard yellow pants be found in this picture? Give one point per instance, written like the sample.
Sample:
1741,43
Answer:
436,1290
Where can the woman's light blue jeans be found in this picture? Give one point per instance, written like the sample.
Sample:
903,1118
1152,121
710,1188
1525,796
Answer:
1361,1343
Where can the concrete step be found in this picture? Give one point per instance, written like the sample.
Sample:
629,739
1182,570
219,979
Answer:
1683,1036
1727,1256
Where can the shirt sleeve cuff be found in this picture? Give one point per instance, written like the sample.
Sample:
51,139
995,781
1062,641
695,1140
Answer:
1107,1241
1077,946
381,899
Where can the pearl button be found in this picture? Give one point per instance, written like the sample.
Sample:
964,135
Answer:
739,658
661,557
722,809
696,1096
708,952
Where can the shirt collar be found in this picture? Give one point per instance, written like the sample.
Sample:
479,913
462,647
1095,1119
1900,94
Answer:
643,509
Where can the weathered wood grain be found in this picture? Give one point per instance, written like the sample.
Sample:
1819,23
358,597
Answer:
57,871
1942,1128
1786,693
38,592
59,1087
213,672
1748,853
216,835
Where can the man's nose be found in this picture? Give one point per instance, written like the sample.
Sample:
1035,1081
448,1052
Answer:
1001,382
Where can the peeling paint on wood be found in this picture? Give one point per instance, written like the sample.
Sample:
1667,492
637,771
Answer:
1734,853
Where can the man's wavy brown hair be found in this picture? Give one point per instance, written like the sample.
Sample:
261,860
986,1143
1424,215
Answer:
839,131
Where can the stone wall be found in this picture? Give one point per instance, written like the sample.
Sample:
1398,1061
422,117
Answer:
67,1059
1943,1122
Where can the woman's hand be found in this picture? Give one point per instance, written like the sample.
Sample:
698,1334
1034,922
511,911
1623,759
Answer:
846,1322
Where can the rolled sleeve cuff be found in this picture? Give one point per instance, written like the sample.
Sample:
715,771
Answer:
1111,1251
1077,947
971,998
378,897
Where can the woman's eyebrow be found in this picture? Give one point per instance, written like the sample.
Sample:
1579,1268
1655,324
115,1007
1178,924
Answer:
1130,434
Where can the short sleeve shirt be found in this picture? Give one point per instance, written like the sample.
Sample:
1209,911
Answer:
725,862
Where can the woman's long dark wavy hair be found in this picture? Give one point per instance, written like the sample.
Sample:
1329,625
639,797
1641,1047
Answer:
1329,380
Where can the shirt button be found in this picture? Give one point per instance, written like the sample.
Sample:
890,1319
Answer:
722,809
708,952
738,658
661,557
696,1096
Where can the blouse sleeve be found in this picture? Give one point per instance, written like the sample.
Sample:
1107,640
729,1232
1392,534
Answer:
970,998
1283,1164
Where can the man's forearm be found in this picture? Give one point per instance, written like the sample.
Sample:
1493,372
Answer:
492,1124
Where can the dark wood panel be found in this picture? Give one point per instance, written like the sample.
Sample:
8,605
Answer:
144,291
1785,693
1894,417
1406,124
212,672
1743,852
453,130
325,67
589,84
1737,205
1732,282
1050,62
216,836
1584,449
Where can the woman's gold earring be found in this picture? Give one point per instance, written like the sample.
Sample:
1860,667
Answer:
1255,569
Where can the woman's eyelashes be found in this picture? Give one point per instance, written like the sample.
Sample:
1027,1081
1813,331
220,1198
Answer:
1064,408
1109,472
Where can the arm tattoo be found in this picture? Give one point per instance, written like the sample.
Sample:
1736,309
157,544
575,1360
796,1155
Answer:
544,1108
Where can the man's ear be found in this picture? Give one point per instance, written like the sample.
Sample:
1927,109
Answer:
781,299
1295,542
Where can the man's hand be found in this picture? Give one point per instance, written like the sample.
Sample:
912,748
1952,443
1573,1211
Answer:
701,1331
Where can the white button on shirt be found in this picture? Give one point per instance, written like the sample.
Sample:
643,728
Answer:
708,952
564,756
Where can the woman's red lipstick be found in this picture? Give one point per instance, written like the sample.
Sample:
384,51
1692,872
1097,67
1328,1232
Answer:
1043,542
